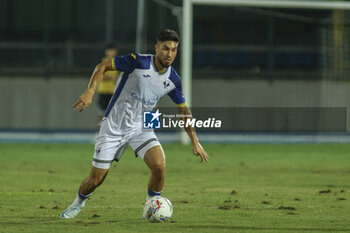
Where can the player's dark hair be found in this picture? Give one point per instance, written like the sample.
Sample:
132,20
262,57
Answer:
111,46
168,34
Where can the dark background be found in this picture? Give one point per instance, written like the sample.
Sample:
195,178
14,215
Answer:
68,37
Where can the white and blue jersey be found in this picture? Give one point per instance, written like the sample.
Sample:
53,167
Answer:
139,88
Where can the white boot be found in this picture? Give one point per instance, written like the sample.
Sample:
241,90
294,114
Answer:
72,211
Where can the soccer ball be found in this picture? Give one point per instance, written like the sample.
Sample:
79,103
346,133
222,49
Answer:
158,209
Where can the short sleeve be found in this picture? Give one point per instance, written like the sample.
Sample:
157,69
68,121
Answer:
125,63
176,95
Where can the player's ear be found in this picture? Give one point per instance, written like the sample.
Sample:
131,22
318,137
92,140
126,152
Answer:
156,47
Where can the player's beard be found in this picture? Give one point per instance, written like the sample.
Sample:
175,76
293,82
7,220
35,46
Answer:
162,63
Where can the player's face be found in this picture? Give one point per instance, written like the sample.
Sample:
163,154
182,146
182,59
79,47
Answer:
166,52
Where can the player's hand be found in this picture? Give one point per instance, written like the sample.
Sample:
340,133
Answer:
84,101
199,151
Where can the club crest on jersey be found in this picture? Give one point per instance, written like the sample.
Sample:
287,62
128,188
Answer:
166,84
151,120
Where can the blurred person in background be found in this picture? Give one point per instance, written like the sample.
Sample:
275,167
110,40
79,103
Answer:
106,86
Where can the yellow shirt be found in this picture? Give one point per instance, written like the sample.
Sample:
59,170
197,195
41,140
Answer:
107,84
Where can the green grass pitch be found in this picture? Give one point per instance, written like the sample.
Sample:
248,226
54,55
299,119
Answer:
243,188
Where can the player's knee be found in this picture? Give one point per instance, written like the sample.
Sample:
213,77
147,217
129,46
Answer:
96,180
158,167
96,176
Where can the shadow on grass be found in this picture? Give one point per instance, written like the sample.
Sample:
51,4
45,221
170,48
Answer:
226,227
58,220
196,228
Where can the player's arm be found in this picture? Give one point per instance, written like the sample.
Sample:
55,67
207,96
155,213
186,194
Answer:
197,148
86,98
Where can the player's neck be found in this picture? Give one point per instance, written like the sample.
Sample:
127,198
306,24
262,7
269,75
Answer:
161,69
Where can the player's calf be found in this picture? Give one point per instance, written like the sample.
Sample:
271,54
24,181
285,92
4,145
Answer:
155,160
88,185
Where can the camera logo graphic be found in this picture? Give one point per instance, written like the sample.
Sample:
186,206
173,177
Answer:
151,120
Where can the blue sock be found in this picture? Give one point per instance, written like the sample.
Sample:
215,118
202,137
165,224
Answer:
152,193
81,198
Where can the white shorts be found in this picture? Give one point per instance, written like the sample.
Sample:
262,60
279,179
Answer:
108,150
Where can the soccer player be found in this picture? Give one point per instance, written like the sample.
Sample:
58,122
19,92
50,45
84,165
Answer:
105,88
143,80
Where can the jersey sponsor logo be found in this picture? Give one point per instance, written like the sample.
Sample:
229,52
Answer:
151,120
166,83
142,100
